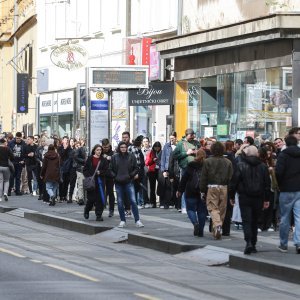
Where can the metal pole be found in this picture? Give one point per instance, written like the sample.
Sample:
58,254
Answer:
88,109
14,116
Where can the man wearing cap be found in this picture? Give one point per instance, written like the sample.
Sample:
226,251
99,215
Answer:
184,153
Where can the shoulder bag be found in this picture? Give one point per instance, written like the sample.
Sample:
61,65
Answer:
89,182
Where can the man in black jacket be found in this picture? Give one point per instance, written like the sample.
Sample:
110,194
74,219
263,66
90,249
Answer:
124,170
252,182
17,147
288,177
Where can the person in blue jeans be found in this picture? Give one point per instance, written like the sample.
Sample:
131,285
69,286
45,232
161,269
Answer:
287,172
124,170
190,184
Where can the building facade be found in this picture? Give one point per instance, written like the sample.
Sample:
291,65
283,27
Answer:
236,69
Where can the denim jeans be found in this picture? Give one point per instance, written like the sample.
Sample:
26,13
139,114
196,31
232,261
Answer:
51,188
288,202
126,190
183,200
196,211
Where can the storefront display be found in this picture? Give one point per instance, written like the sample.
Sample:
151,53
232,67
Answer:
229,106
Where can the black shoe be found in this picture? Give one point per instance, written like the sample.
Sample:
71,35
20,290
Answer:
19,194
254,250
248,249
80,202
40,197
298,249
225,234
196,229
200,234
52,201
5,197
70,201
9,193
86,215
99,219
111,213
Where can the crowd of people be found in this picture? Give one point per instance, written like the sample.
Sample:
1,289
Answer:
255,186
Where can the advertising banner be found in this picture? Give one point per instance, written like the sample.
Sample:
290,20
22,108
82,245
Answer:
22,93
99,116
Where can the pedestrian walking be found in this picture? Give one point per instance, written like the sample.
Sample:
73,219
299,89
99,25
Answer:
190,184
153,164
5,155
184,153
252,182
124,170
50,173
98,165
109,182
288,176
215,177
17,148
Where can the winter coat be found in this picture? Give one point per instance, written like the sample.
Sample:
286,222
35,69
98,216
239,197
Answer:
188,182
165,156
216,170
251,179
17,150
150,163
79,159
181,149
5,154
123,167
50,168
66,158
30,160
288,169
174,170
89,170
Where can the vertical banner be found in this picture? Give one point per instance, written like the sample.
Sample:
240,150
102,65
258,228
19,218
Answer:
22,93
146,43
181,108
99,116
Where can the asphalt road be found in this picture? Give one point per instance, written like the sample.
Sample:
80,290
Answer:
44,262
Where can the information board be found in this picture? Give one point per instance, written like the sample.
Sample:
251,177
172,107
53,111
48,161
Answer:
121,77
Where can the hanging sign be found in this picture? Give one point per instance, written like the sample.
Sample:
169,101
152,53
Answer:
22,93
70,57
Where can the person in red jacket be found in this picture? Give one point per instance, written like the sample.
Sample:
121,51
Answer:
153,164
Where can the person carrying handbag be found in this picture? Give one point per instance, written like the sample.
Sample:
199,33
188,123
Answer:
96,165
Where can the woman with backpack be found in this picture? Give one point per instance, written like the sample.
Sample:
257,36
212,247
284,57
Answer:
190,184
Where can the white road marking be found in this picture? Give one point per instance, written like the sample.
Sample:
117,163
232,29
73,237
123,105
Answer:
73,272
11,253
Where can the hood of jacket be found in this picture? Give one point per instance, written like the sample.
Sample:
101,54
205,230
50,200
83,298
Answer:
51,154
252,160
293,151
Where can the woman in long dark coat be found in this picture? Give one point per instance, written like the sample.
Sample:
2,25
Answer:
97,196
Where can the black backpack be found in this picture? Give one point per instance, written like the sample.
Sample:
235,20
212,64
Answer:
253,181
195,182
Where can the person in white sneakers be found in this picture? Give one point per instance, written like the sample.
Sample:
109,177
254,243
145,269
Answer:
124,170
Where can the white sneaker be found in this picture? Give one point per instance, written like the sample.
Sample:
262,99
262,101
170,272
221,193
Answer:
139,224
122,224
140,206
161,206
258,230
0,199
147,205
270,229
183,211
34,193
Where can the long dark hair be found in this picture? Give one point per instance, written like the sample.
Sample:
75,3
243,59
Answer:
95,147
156,144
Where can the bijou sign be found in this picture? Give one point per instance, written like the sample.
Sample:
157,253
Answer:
69,57
158,93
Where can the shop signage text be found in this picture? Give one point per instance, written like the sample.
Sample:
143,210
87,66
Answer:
158,93
70,57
